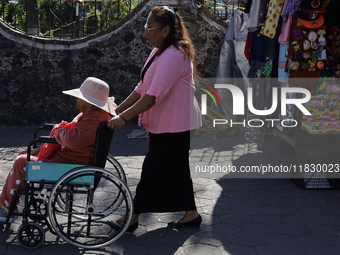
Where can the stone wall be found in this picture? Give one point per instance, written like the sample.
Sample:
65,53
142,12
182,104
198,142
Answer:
34,71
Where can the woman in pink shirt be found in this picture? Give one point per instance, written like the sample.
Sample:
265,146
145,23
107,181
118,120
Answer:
96,107
165,102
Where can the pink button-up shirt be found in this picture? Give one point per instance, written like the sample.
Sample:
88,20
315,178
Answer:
170,80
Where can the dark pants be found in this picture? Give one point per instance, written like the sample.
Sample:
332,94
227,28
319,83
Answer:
165,184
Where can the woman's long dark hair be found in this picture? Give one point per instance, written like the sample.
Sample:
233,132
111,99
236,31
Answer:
178,36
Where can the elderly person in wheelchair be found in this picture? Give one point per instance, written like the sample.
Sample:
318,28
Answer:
74,138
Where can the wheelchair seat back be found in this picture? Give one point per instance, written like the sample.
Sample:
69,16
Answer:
102,145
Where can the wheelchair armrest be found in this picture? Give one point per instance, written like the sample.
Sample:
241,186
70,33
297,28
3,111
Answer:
46,139
41,139
46,126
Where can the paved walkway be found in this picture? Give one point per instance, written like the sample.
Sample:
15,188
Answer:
240,216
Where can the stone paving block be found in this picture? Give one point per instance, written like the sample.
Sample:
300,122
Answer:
236,249
298,219
234,194
248,239
3,248
196,231
180,251
127,248
263,194
284,202
258,229
311,250
225,229
236,219
255,201
320,240
307,211
281,239
217,210
17,249
329,221
208,194
157,227
151,218
201,202
271,249
312,201
201,249
330,209
199,187
277,210
332,250
205,182
228,201
292,192
273,184
214,239
246,210
64,248
290,229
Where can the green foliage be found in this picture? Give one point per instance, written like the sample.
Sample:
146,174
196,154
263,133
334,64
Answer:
92,20
58,18
11,11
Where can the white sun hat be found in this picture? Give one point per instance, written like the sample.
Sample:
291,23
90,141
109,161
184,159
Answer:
95,92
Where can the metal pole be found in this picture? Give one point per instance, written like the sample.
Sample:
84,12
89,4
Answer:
118,9
214,6
26,15
50,21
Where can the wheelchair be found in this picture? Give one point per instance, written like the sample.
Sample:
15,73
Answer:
79,203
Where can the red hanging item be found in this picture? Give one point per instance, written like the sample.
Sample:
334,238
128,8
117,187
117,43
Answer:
47,150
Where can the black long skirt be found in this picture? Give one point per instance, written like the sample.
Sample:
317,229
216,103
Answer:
165,184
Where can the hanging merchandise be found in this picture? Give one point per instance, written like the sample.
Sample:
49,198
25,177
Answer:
325,115
272,18
264,6
283,59
307,48
313,6
332,51
311,20
253,20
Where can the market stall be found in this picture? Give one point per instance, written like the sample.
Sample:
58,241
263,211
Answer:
296,44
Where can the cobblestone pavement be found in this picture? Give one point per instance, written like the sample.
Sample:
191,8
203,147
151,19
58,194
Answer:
240,216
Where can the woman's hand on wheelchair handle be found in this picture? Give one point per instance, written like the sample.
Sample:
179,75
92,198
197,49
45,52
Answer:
116,122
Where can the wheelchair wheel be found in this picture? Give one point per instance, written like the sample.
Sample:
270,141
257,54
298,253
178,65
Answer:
113,166
90,209
37,209
32,236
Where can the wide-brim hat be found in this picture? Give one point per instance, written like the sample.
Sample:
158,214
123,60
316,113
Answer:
95,92
312,6
311,20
